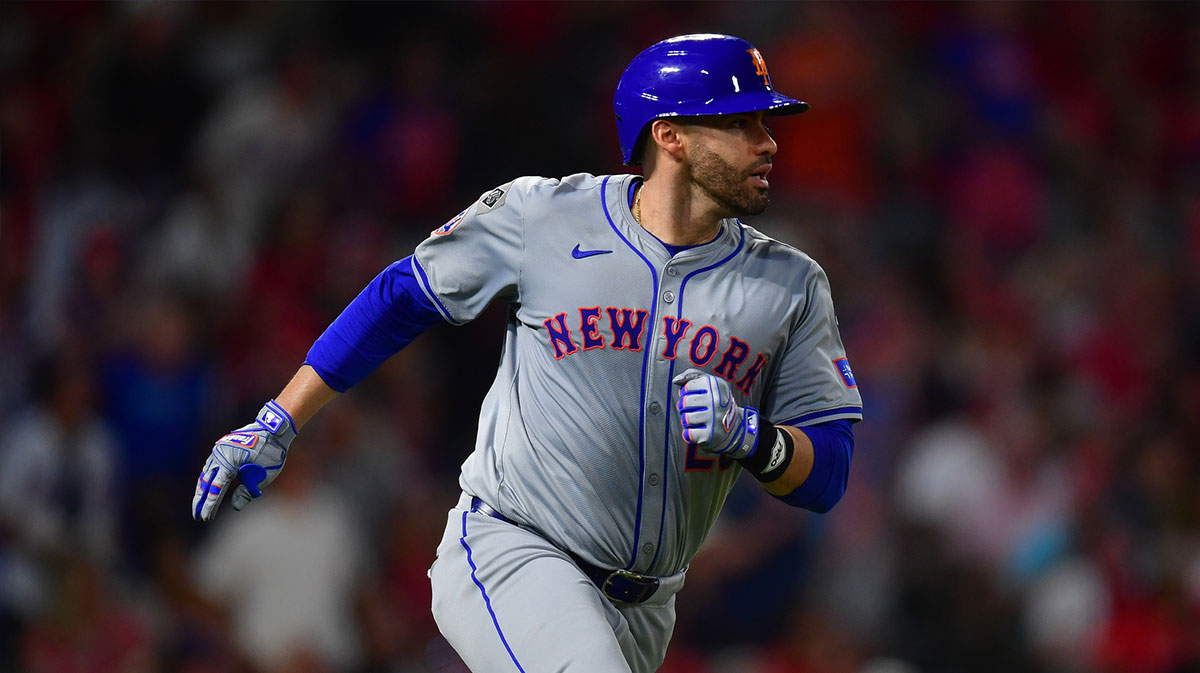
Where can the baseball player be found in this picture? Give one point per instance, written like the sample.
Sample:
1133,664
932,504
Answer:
656,348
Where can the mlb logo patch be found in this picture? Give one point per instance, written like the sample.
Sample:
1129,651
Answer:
843,367
272,420
245,440
449,226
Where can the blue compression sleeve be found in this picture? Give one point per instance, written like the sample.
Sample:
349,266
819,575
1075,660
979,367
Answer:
386,316
833,446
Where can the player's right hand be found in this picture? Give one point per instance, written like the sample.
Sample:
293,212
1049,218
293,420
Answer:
254,453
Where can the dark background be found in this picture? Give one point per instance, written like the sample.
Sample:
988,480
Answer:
1006,198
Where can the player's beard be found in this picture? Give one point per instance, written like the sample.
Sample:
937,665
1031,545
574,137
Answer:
727,185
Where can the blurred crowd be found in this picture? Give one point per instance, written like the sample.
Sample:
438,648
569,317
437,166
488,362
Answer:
1006,198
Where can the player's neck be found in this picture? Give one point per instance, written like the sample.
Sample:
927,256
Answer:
675,214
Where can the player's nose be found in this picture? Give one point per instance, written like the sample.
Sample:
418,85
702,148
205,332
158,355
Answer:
764,142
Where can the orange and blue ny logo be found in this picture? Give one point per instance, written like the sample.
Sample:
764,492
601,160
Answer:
760,66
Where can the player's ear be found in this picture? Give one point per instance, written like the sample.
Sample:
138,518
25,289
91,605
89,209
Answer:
667,137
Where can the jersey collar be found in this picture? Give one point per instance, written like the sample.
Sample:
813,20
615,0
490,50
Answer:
616,198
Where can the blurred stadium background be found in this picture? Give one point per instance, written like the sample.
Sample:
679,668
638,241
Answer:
1006,198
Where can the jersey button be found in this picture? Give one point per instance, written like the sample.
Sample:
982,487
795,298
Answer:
647,548
654,480
655,407
668,296
672,271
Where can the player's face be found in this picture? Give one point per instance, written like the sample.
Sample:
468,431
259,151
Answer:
729,158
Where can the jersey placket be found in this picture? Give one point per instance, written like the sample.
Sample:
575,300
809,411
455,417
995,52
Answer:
657,409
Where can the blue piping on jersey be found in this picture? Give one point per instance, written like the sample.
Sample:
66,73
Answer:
824,414
486,600
429,290
670,386
637,530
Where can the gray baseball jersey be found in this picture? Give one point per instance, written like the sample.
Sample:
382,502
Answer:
578,440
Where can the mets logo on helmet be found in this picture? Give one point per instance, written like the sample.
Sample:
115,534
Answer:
760,66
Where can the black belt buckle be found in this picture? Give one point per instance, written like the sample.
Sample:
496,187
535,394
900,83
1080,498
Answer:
485,509
628,587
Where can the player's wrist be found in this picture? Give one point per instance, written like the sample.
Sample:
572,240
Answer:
744,439
277,422
772,453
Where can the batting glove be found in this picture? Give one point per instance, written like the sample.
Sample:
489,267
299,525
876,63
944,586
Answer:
255,453
710,417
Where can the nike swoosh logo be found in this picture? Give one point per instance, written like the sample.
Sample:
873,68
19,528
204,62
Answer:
580,254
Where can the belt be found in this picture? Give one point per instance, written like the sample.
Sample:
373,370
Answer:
619,585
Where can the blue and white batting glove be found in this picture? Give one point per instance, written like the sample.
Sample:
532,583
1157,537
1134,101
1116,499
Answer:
255,453
710,417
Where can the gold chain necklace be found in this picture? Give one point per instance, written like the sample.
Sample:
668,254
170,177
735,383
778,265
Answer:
637,206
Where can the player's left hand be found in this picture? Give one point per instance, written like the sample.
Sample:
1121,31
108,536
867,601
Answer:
254,453
712,419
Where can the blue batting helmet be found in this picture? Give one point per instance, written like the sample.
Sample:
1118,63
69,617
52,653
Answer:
704,74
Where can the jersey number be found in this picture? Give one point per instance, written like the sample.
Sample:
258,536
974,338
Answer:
696,463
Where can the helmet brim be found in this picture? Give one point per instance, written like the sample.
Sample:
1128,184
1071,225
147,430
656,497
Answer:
767,101
772,103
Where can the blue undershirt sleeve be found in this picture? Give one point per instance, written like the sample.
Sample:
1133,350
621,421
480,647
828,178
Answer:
386,316
833,446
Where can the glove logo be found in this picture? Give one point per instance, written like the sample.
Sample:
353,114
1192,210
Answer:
245,440
730,417
272,420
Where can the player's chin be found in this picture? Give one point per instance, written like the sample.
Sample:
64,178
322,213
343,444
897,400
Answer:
756,200
757,209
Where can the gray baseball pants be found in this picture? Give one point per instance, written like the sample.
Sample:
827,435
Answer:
508,600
